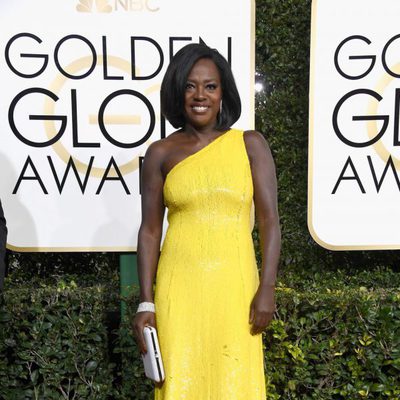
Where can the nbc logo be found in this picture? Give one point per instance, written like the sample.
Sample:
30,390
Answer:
104,6
91,5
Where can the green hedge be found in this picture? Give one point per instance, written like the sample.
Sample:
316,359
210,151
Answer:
331,342
341,344
53,343
282,58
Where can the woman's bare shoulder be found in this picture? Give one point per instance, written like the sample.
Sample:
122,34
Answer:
255,142
254,137
161,147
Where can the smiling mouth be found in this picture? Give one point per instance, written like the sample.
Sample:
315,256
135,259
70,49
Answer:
199,108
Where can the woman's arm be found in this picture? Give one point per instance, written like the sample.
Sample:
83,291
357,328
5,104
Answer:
265,200
150,233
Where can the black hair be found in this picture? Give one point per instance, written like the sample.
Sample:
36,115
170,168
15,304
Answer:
175,79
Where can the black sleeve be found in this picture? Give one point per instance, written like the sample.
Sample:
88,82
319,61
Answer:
3,241
3,229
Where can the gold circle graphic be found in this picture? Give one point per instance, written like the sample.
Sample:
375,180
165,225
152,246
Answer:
49,109
372,109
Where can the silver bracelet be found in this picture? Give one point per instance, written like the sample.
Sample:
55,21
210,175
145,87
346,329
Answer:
146,306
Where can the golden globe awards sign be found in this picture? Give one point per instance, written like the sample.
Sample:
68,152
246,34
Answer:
354,146
79,106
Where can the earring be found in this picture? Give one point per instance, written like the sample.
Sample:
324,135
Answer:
219,116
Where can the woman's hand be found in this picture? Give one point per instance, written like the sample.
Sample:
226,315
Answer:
141,320
262,309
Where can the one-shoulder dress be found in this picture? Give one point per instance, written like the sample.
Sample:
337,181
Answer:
207,277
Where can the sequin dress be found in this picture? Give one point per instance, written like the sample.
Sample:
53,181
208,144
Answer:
207,277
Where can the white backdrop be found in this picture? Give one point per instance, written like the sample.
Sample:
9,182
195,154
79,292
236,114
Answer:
355,71
69,59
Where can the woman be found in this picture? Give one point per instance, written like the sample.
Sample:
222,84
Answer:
211,306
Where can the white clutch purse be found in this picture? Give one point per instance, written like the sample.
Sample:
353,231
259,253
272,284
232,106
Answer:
153,365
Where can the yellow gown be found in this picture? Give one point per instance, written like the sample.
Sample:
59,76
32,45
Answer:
207,277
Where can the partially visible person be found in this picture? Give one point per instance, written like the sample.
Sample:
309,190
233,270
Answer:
3,241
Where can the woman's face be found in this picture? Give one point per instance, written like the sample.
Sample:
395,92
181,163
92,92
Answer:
203,94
